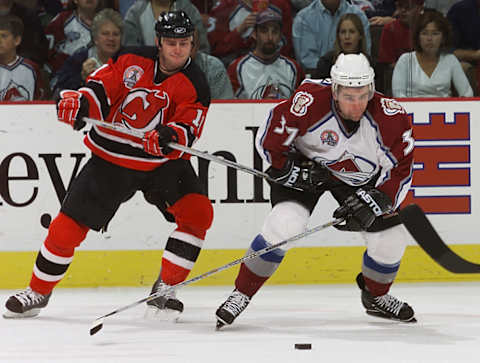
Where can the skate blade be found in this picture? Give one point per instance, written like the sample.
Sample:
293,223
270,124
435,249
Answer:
219,325
27,314
168,315
381,316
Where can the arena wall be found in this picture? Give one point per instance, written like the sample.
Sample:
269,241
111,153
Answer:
39,156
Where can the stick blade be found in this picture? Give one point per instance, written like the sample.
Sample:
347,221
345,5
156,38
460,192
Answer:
422,231
96,326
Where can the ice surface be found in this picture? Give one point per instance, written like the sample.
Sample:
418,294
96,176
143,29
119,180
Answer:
330,317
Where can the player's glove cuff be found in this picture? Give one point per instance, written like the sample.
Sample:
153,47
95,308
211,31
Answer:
304,175
72,106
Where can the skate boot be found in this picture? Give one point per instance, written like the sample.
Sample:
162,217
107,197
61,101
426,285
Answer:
166,306
231,308
385,306
25,304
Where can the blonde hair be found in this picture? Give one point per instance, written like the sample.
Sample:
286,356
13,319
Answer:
103,16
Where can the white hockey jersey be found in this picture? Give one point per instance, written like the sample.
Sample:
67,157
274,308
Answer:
20,81
253,78
382,144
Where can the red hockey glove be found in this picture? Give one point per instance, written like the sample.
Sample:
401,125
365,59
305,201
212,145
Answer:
71,108
155,142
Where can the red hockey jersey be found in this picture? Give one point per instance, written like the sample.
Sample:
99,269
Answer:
382,145
130,90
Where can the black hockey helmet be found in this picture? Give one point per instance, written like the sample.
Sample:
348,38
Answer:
174,24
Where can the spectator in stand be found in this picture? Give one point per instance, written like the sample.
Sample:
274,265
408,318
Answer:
215,72
382,13
465,19
69,31
395,39
429,71
315,27
107,29
204,6
350,39
264,73
232,22
20,79
124,5
441,5
34,45
396,36
143,13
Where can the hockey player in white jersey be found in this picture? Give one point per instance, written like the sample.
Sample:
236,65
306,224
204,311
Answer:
351,141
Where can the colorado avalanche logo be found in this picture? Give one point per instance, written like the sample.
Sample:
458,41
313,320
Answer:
15,92
329,137
131,76
300,103
391,107
351,169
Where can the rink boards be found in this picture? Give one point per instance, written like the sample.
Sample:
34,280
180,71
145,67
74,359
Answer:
39,156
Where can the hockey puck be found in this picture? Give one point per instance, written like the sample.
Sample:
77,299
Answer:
303,346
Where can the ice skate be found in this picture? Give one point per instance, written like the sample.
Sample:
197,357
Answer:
231,308
385,306
165,307
25,304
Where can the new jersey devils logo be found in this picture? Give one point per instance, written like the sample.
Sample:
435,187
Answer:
143,109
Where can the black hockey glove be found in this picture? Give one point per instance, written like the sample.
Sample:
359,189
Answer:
165,135
156,141
361,208
305,175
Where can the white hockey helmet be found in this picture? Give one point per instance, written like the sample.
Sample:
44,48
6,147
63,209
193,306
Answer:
352,70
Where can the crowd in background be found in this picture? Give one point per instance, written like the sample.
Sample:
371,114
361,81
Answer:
248,49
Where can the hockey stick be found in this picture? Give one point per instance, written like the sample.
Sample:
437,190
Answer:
185,149
425,235
98,323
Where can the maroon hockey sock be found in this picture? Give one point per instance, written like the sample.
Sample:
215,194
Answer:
376,288
247,282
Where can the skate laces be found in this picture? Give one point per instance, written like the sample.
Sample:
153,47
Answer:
165,291
236,302
389,303
28,297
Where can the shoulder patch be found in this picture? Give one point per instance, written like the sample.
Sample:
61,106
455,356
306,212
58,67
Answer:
391,107
329,137
131,76
301,101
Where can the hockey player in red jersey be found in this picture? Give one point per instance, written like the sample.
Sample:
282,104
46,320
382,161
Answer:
157,90
353,142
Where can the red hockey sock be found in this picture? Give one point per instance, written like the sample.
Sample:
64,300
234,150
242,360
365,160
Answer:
56,253
193,214
171,273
